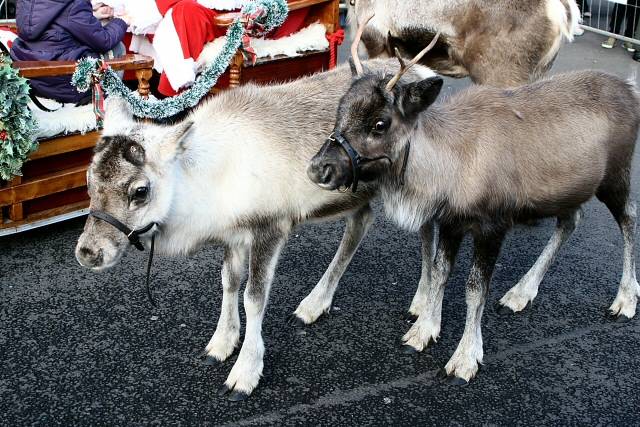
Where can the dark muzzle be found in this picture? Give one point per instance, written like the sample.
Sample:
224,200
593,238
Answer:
358,161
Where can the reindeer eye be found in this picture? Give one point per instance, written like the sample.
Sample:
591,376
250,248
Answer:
141,193
380,126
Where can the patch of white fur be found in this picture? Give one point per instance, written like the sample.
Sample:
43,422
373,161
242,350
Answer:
310,38
423,72
626,299
466,359
223,341
316,303
246,372
65,119
557,14
629,290
469,353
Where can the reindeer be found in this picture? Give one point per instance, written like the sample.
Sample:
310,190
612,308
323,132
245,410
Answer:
481,161
495,42
232,172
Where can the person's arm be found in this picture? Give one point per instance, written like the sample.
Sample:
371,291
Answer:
88,29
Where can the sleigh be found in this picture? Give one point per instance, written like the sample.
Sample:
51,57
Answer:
53,185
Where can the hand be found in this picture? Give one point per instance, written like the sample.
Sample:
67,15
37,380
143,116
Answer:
97,5
126,18
103,12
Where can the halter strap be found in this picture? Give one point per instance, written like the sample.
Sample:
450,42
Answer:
132,235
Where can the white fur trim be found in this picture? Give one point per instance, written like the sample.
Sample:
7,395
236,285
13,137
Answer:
181,72
222,4
308,39
6,37
67,118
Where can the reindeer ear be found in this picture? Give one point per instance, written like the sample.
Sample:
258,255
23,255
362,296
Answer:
175,140
118,118
418,96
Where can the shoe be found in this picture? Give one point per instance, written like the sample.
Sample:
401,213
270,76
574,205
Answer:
609,43
629,46
636,56
578,32
586,15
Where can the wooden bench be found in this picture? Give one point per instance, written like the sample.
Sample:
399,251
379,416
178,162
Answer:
53,184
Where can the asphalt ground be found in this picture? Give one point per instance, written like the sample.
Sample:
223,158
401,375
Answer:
78,348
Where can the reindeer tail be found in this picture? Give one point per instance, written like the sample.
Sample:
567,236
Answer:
565,15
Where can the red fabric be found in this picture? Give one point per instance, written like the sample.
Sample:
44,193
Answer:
13,30
335,40
194,25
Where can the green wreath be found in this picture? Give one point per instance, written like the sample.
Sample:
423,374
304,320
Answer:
17,125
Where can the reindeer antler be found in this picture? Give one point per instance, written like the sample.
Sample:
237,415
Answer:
356,42
404,68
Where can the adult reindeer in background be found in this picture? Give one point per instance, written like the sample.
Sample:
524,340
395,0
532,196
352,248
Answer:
495,42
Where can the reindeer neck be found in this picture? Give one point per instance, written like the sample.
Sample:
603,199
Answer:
432,177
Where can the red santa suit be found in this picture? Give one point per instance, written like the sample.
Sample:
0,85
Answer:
186,27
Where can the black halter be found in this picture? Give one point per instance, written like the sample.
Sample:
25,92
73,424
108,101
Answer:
357,160
134,239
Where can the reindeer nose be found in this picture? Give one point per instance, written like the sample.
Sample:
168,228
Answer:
328,172
321,172
90,258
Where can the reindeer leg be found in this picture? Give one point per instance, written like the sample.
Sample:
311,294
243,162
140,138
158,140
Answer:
227,333
624,306
427,326
429,235
463,365
266,246
319,300
523,293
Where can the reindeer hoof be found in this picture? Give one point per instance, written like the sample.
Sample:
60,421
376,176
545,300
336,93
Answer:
450,379
238,396
622,319
211,361
223,390
503,310
442,374
409,317
407,349
295,321
456,381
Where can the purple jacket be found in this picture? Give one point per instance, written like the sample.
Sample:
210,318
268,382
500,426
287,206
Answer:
61,30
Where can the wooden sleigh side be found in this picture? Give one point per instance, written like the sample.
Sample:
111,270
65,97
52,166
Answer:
53,185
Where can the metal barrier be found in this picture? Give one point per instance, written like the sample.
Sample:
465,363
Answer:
613,18
7,11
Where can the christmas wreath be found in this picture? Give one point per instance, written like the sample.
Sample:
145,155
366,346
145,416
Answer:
17,125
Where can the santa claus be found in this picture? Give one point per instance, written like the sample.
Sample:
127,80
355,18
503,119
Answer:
181,29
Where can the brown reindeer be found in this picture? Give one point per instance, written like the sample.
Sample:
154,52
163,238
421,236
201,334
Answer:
497,42
482,161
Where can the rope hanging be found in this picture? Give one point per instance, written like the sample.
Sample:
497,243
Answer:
258,16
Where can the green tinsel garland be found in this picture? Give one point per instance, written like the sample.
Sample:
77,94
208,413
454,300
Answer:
17,125
88,68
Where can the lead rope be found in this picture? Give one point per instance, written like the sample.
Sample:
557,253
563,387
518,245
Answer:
149,295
